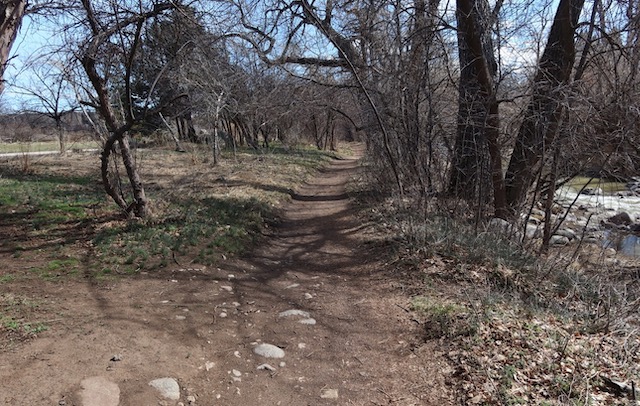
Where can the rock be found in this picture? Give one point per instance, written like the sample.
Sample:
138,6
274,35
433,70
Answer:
167,387
269,351
533,231
309,321
289,313
621,218
537,213
116,358
566,232
191,399
592,191
265,367
99,391
558,240
534,220
308,296
499,225
209,365
179,317
329,394
591,239
236,373
227,288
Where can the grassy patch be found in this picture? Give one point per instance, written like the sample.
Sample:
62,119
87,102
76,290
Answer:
57,268
444,319
16,318
206,229
40,202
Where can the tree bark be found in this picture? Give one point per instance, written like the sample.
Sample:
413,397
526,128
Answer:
11,14
477,155
544,111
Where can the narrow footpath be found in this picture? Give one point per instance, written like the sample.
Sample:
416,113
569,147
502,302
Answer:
312,317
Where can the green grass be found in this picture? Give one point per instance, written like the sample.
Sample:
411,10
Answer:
44,146
47,200
57,268
444,319
207,229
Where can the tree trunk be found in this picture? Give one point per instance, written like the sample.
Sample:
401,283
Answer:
470,173
11,13
539,127
477,155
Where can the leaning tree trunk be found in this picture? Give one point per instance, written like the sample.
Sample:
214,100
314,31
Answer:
11,13
545,109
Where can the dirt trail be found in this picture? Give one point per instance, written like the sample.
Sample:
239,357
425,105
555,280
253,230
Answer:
200,326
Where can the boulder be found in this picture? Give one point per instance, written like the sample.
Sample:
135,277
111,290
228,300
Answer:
620,219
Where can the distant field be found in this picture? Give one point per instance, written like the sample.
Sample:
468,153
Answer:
44,146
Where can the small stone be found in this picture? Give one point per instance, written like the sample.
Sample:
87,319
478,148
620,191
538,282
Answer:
329,394
558,240
302,346
231,276
309,321
223,314
116,358
293,285
567,232
168,387
209,365
235,372
191,399
265,367
283,364
269,351
227,288
236,354
179,317
99,391
308,296
293,312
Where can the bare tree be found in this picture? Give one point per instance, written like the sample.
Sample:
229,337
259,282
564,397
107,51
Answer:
111,46
49,89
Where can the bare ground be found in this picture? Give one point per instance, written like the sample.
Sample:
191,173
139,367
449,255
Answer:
198,325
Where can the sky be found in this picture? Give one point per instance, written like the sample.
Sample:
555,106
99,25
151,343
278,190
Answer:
28,46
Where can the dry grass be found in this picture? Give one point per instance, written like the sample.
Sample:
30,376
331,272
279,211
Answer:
517,329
